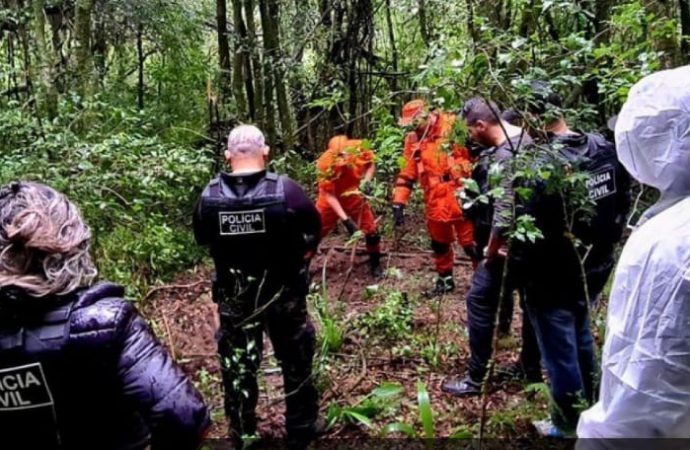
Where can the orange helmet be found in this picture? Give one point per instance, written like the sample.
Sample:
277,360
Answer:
411,110
338,143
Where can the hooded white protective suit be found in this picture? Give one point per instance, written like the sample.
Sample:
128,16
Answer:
645,386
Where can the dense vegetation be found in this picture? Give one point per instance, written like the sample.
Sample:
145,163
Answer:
124,104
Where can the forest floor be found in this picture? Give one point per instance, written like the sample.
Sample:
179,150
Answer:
392,336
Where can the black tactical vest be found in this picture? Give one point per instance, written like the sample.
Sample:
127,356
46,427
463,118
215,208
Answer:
32,374
248,229
607,181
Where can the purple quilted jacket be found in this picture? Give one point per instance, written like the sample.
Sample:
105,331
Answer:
117,387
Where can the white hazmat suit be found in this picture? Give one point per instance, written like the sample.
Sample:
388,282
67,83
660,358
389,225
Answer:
645,386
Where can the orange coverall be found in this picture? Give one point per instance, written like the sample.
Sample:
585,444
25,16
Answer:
340,171
439,168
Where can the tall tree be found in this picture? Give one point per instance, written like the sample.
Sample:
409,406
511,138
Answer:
394,49
47,93
254,62
82,38
685,29
224,50
270,110
141,59
424,22
274,52
238,61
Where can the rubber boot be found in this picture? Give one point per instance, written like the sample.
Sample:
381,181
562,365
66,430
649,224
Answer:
299,438
444,285
375,268
475,255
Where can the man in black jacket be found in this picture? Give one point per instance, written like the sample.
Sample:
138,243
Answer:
502,141
261,230
79,367
558,294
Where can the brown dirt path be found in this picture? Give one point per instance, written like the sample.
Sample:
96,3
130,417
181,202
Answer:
185,318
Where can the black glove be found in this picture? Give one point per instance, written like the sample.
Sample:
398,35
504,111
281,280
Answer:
367,188
350,225
398,215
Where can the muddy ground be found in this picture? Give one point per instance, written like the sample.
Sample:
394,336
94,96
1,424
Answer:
185,318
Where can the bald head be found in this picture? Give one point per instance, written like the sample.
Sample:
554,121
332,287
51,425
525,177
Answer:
246,141
247,150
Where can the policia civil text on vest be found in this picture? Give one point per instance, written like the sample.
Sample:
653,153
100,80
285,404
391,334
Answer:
259,227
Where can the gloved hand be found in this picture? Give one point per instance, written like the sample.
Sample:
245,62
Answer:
367,188
351,226
398,215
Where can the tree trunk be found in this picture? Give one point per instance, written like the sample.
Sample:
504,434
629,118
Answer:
248,81
46,93
270,125
82,37
224,50
296,82
287,123
12,76
238,61
26,50
269,18
394,50
603,14
685,30
100,45
423,23
141,87
255,59
599,35
528,19
471,27
56,20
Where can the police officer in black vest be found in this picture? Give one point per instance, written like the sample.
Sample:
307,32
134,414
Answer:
566,277
608,184
79,367
261,230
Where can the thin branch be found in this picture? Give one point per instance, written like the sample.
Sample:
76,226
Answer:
171,287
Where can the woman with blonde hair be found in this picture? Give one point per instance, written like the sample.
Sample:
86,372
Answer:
79,367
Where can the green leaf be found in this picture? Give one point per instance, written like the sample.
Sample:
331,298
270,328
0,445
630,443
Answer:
461,434
398,427
333,414
364,420
388,390
471,185
425,411
523,192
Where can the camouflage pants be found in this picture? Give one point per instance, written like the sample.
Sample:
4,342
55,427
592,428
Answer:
283,315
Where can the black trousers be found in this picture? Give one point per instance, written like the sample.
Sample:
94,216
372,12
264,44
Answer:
482,306
282,314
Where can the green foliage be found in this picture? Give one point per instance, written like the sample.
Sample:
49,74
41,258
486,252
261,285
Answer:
426,420
391,321
331,331
383,401
135,191
425,411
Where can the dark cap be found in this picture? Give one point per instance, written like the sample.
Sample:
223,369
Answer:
543,98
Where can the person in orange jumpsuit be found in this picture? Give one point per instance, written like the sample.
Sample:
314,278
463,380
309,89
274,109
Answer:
344,168
439,166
